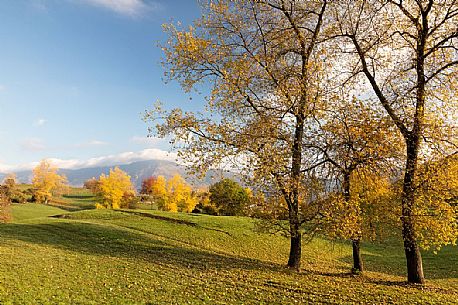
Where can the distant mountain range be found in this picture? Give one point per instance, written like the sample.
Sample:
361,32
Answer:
137,170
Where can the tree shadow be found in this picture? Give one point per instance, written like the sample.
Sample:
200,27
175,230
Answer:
391,261
69,208
82,197
101,240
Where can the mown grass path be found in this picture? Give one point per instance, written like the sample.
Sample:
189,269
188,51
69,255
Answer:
151,257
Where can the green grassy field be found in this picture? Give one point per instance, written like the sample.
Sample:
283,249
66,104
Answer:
152,257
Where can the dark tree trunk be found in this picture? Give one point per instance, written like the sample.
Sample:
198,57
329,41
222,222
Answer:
412,251
294,261
357,258
295,252
355,242
414,263
292,198
412,140
346,185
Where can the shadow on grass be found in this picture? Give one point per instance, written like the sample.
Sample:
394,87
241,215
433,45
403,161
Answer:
389,259
102,240
172,220
71,207
81,197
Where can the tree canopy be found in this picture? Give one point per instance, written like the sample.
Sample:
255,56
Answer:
305,91
229,197
115,189
46,181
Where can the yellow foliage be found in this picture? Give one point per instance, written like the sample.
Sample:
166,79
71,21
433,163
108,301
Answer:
100,206
370,211
47,182
5,208
159,187
114,187
342,219
175,194
435,212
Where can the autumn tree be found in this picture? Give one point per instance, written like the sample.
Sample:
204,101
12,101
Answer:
265,66
10,181
363,211
92,185
147,186
205,205
160,186
155,189
436,205
178,196
47,182
8,188
352,144
229,197
5,206
115,189
407,53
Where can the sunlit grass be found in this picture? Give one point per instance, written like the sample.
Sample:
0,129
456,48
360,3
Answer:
144,256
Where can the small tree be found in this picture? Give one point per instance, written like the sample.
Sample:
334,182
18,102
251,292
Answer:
205,206
148,186
5,212
436,207
47,182
147,190
114,189
173,195
179,196
353,145
159,191
9,189
92,185
229,197
10,181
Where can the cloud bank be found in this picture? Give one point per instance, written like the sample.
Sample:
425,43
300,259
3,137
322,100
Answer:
109,160
148,141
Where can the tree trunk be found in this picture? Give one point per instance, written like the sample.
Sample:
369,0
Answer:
294,261
412,251
355,242
295,252
414,262
357,258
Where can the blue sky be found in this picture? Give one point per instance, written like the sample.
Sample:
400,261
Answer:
76,76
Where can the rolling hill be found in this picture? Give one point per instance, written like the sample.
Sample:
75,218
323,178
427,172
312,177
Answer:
156,257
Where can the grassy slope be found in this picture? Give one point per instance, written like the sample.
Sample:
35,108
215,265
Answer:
120,257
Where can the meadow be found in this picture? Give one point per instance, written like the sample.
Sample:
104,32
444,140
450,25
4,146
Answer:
68,253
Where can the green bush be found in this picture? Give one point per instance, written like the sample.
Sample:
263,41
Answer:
229,197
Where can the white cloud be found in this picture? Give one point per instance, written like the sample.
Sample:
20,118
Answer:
97,142
2,87
122,158
5,168
91,143
33,144
149,141
40,122
132,8
109,160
